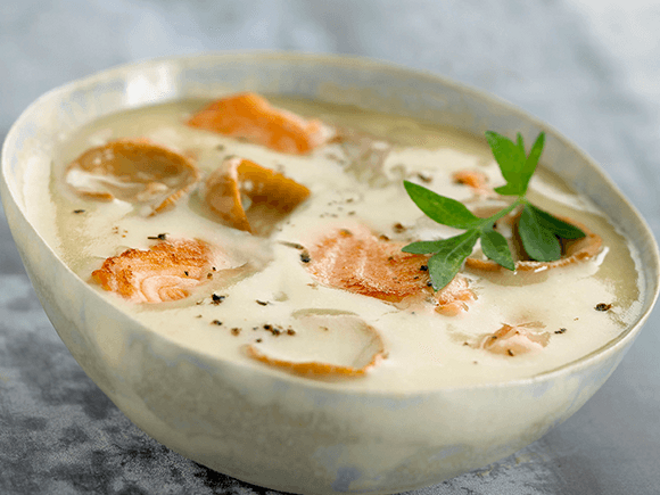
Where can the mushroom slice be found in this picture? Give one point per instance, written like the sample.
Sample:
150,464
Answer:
514,340
572,250
241,186
132,170
357,261
165,272
251,117
323,346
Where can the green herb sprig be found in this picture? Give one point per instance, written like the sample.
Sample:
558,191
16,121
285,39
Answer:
539,231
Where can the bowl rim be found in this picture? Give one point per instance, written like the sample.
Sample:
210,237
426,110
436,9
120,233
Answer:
608,350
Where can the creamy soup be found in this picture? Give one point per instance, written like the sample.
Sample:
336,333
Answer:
354,184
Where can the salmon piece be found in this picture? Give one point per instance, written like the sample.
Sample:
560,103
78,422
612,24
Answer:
357,261
133,170
238,180
512,340
453,299
477,181
250,116
573,251
323,346
165,272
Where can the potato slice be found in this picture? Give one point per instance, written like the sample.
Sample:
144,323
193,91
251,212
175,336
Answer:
323,346
573,250
241,185
132,170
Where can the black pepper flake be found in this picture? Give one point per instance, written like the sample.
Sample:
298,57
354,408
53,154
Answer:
305,257
429,284
216,299
268,327
258,341
209,275
603,307
290,331
424,268
235,331
213,268
78,212
293,245
561,330
509,352
262,303
159,237
398,228
276,331
216,322
186,273
424,177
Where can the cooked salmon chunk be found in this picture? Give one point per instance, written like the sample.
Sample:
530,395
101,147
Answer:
477,181
512,340
251,117
133,170
165,272
358,261
241,185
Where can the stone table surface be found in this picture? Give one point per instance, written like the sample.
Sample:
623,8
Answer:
588,67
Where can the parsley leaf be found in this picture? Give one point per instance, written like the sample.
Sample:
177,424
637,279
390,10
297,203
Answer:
540,244
443,210
496,248
539,231
560,228
444,264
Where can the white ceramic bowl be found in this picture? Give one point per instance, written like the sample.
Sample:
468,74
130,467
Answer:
240,420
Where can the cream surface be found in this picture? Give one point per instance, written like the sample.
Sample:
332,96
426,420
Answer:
424,349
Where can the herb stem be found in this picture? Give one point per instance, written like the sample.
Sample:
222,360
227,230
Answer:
504,212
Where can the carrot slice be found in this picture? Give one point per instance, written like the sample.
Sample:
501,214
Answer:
250,116
133,170
165,272
573,250
237,179
513,340
357,261
323,346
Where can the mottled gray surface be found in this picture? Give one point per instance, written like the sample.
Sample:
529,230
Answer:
588,67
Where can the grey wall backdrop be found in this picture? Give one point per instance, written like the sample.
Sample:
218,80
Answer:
588,67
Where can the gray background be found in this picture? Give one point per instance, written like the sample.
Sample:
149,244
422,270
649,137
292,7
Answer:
588,67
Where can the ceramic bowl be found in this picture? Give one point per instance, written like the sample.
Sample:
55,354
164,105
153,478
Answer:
267,428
